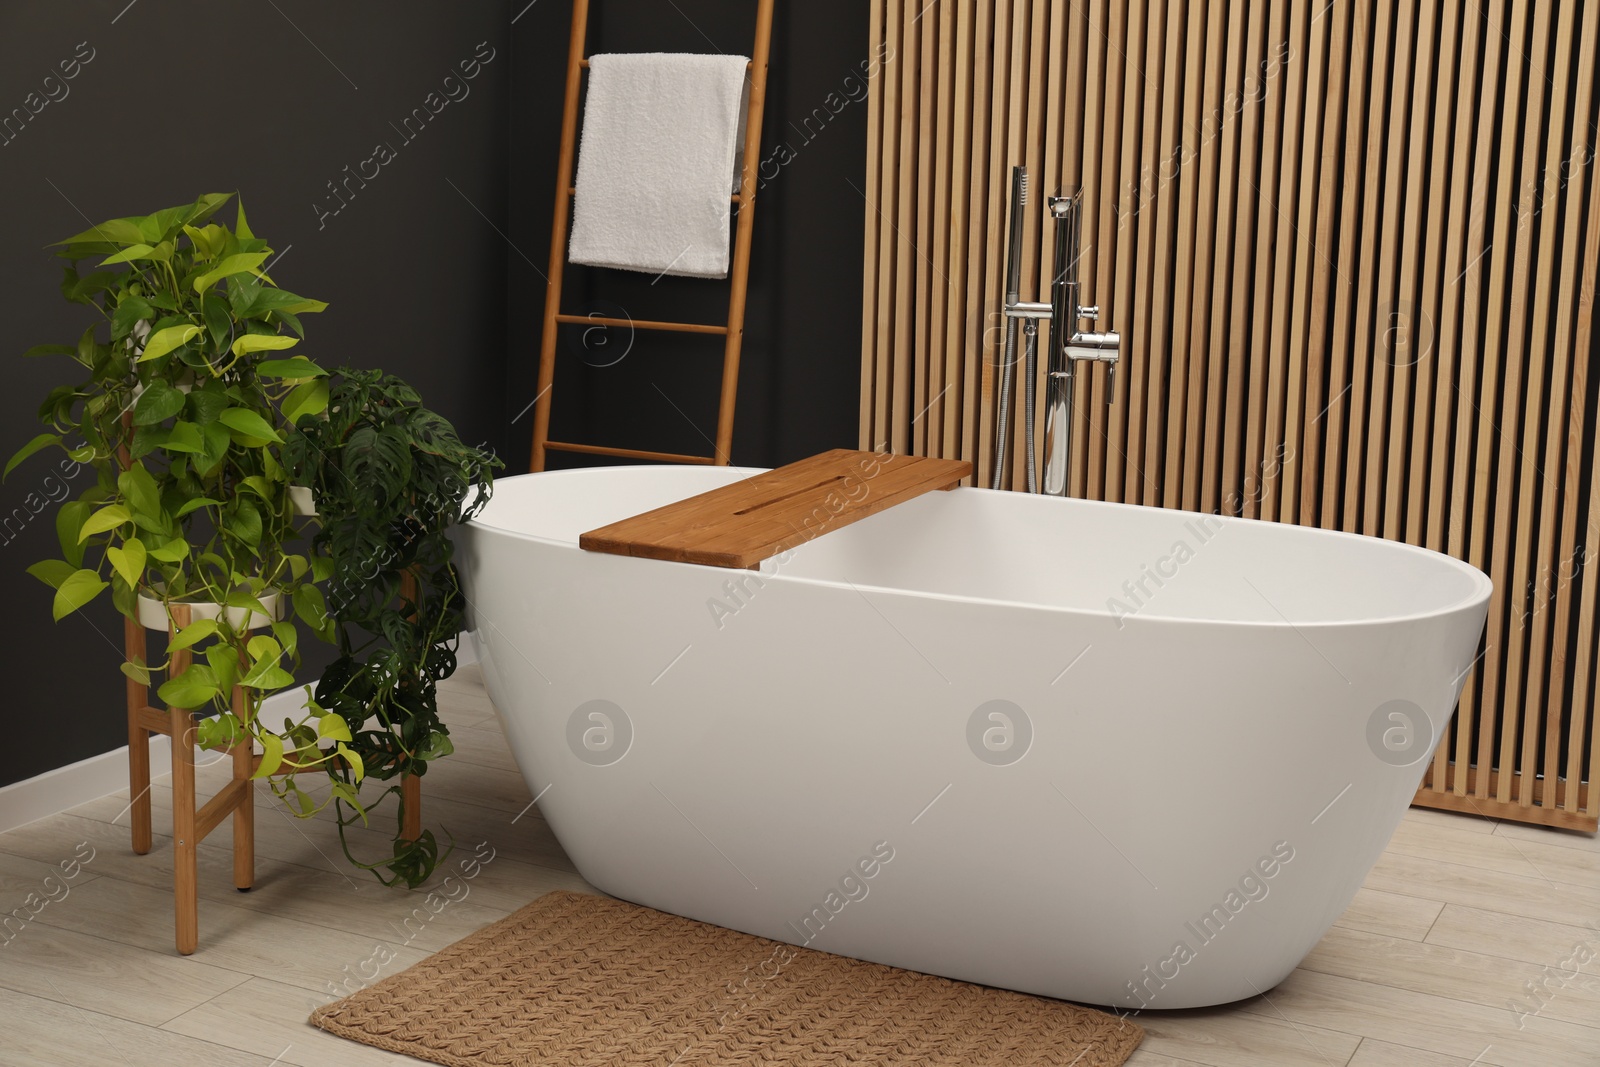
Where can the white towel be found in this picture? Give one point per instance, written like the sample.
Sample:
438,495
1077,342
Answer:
661,133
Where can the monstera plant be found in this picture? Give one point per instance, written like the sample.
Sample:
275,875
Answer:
181,398
390,478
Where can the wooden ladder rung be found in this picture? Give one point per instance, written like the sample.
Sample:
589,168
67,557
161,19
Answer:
628,453
572,190
642,324
584,63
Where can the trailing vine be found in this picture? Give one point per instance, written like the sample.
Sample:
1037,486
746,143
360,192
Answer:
390,478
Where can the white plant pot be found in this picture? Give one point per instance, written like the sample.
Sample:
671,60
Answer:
304,503
153,612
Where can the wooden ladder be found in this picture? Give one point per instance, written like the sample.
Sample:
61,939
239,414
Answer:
732,332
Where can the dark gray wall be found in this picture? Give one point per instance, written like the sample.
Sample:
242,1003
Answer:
799,381
183,97
433,269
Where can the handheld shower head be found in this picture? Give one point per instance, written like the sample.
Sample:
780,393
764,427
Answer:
1019,200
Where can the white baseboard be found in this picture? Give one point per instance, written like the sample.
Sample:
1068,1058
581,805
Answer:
77,783
89,779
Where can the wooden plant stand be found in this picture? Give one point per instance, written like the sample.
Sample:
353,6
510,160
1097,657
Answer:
191,824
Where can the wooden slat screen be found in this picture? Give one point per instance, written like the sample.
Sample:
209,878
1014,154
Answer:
1351,247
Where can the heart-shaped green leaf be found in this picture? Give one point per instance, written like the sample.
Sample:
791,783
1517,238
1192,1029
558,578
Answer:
70,518
163,341
195,631
171,552
75,591
358,768
305,400
136,670
224,663
271,755
262,342
219,321
207,402
115,231
195,503
194,688
52,572
298,367
107,518
138,488
332,727
248,423
158,403
129,312
132,252
185,437
128,560
238,263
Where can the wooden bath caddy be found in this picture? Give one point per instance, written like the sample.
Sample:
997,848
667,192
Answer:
740,525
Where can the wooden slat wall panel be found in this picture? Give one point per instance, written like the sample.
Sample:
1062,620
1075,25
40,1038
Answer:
1351,247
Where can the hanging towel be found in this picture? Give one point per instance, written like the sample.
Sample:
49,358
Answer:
661,136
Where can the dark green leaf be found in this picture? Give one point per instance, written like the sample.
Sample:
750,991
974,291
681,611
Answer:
219,320
49,350
158,403
128,313
207,402
244,522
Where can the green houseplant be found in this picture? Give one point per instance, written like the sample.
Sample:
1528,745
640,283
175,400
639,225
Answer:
390,478
180,406
196,420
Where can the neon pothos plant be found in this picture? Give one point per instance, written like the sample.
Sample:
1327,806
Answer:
182,399
390,477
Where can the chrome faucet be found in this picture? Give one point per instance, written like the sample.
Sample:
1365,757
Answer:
1067,344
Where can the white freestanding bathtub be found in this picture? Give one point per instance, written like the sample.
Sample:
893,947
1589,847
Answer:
1107,753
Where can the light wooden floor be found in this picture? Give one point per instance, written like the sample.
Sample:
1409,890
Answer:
1431,966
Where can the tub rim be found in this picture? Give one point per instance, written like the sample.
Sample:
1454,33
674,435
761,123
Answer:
1483,585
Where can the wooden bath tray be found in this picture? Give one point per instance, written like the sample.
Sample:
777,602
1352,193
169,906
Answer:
740,525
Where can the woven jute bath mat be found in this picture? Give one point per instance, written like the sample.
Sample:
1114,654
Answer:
579,980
